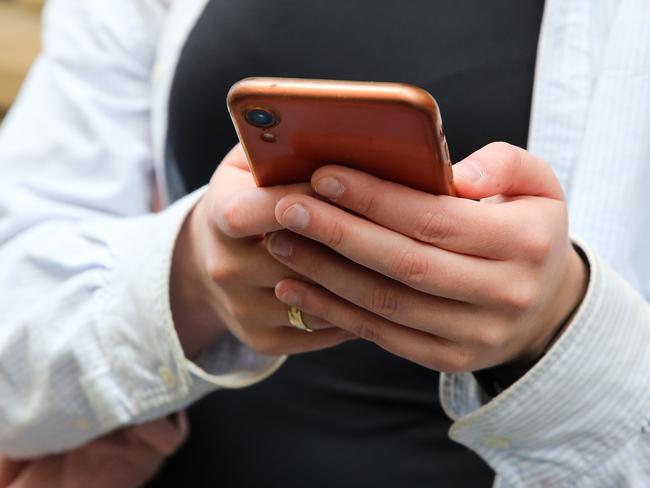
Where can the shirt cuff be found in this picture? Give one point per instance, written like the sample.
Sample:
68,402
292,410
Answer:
149,375
582,402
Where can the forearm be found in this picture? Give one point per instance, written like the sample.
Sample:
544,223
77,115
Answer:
87,342
195,308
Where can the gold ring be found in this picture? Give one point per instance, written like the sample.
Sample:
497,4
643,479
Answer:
295,319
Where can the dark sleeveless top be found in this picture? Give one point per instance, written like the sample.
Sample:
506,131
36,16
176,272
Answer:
353,415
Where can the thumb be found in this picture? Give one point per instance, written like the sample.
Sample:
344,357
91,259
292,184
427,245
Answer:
503,169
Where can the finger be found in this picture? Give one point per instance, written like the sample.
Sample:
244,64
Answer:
503,169
281,341
250,211
455,224
371,291
420,266
260,308
231,262
422,348
236,207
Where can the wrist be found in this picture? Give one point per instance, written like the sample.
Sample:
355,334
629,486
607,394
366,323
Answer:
195,315
568,299
497,378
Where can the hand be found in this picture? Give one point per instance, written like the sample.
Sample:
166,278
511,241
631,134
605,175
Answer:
453,284
223,277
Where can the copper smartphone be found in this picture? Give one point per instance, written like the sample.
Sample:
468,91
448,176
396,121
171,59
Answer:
291,127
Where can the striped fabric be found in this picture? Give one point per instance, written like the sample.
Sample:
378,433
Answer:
87,342
581,417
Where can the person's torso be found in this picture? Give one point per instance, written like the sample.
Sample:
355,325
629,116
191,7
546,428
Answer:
353,415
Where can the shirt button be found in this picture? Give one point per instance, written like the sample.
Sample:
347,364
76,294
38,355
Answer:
494,442
82,424
168,377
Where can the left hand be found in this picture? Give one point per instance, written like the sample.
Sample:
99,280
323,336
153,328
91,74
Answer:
454,284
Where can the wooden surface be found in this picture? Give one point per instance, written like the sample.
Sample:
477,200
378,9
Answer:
19,44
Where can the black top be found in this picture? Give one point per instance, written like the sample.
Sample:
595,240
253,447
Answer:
353,415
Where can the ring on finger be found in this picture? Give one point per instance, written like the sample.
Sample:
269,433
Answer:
295,319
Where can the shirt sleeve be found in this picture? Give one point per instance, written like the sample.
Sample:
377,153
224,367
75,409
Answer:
87,342
580,411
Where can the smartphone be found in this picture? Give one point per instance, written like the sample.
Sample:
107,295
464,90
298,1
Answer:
290,127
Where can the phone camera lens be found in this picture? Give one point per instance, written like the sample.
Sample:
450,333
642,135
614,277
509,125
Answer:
260,117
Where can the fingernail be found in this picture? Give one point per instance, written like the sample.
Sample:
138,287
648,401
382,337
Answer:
329,187
280,244
296,217
469,170
290,297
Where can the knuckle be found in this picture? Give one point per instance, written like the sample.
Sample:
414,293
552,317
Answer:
334,235
383,301
537,245
410,267
492,336
222,271
433,227
233,217
507,155
366,203
522,295
501,147
366,329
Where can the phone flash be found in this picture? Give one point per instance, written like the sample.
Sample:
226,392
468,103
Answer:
268,137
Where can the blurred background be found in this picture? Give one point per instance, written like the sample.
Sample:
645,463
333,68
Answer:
19,45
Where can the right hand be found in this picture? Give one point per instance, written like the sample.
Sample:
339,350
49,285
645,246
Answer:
223,277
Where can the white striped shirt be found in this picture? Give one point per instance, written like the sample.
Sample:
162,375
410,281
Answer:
87,342
580,417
